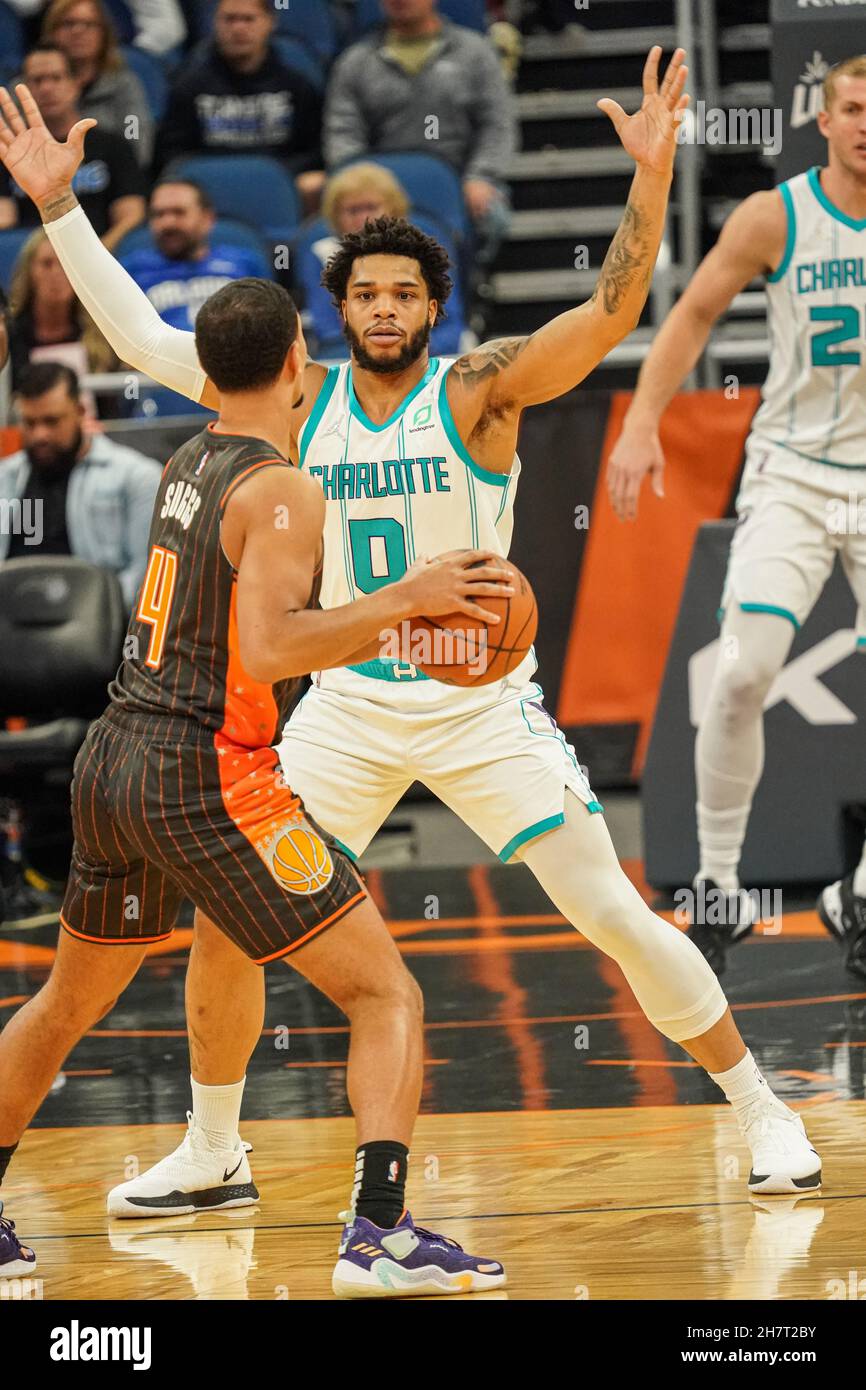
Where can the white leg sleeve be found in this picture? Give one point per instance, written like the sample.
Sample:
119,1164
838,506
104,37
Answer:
122,311
729,749
578,869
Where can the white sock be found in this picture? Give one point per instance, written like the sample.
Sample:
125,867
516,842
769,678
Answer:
860,876
721,835
743,1084
217,1111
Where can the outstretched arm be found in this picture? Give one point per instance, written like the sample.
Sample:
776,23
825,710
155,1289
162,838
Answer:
44,168
507,375
752,243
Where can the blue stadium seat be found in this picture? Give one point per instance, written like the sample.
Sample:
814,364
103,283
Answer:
152,76
470,13
11,43
298,56
251,188
121,17
11,242
225,232
432,184
312,22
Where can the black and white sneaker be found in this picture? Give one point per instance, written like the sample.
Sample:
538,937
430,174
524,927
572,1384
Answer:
193,1178
843,913
718,920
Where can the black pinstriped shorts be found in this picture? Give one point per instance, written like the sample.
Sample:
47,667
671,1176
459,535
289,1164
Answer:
164,809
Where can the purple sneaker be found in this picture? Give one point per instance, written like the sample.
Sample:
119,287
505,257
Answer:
15,1259
407,1260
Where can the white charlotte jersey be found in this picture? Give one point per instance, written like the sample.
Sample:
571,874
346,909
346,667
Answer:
393,492
814,398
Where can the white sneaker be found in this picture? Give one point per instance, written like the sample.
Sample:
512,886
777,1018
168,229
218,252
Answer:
783,1160
193,1178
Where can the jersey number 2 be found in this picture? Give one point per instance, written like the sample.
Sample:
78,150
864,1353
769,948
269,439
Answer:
846,321
154,604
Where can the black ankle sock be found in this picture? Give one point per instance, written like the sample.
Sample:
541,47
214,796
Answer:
5,1155
380,1181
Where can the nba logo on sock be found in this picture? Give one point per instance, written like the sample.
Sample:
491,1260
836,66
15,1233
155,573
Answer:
393,1170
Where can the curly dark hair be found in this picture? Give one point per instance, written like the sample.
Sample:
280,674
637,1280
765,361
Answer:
390,236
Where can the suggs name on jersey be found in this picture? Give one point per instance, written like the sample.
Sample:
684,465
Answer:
182,501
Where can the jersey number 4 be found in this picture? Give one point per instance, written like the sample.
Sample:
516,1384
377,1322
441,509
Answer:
157,596
846,327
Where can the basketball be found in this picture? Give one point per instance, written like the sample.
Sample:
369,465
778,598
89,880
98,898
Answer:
460,650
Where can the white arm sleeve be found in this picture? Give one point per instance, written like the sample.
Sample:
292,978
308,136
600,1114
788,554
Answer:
122,311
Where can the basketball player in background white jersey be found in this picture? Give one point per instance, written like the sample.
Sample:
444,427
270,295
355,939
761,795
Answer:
416,456
805,466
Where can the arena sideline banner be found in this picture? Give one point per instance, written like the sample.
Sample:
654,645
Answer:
809,36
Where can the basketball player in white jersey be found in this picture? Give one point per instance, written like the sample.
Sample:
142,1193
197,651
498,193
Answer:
417,456
805,468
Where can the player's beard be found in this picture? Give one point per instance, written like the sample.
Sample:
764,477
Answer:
408,355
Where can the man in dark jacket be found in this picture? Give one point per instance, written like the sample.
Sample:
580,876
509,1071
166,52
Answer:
239,97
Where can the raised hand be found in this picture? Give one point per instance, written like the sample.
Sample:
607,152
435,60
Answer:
650,135
41,165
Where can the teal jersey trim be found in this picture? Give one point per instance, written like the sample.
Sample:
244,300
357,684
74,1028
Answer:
828,463
790,241
770,608
530,833
308,429
486,475
384,671
837,213
358,412
345,848
593,807
861,642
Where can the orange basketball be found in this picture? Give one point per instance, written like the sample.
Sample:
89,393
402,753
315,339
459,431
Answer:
465,651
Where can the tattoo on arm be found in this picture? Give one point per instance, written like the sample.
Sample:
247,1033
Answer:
54,209
624,262
488,361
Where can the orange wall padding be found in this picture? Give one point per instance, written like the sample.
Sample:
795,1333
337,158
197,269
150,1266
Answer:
10,440
633,573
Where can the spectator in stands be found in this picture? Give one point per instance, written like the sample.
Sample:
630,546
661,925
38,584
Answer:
183,269
109,183
238,96
159,24
92,498
108,90
419,68
47,320
4,360
357,195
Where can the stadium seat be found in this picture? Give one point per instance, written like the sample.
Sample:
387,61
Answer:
302,59
121,17
250,188
11,242
225,230
432,184
310,21
11,43
470,13
152,76
65,620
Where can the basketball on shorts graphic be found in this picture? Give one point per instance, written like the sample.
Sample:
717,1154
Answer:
301,861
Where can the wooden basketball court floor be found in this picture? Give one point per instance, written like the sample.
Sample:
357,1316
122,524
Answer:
559,1132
